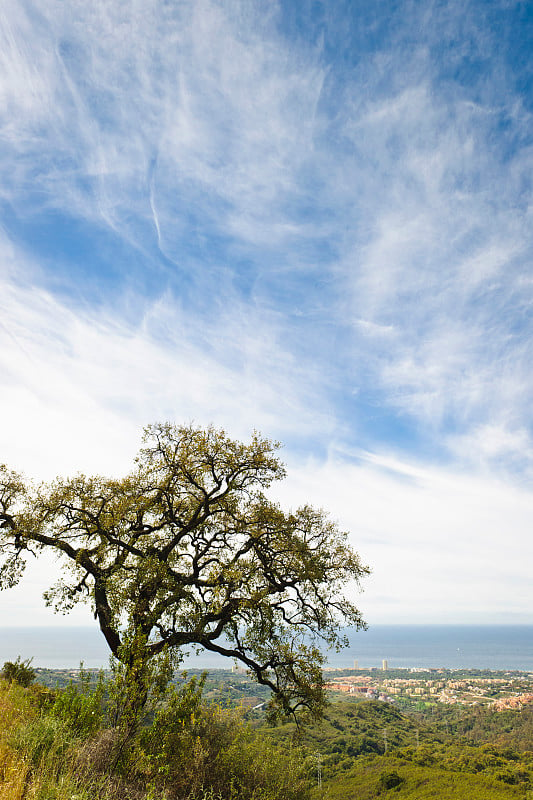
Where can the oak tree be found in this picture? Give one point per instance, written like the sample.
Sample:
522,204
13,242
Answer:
187,551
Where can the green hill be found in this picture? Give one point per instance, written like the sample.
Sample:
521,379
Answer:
360,750
361,746
369,776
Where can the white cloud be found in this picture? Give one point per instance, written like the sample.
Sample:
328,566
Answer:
171,124
303,233
78,384
197,108
443,546
439,256
489,443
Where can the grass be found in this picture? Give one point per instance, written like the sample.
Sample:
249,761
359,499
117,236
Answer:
38,755
189,751
15,711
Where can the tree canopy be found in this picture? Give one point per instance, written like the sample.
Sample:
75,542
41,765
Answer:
187,552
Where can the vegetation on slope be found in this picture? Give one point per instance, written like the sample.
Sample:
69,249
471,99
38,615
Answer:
386,776
15,711
69,742
367,748
506,729
73,743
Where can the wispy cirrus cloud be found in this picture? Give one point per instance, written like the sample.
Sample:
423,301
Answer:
443,545
159,114
311,218
79,384
438,257
239,162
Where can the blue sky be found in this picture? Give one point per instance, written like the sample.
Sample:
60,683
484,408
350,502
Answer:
309,218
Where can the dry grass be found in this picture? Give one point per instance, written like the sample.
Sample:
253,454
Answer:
19,778
15,710
79,773
13,776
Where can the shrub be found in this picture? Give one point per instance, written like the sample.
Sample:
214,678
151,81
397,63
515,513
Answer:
253,768
389,780
193,750
80,706
189,751
18,672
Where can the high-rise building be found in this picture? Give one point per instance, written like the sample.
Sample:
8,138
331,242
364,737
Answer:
356,664
385,665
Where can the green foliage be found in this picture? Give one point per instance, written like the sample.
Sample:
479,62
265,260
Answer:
80,706
174,731
18,672
190,750
188,551
193,750
512,729
355,729
253,768
138,682
363,781
185,750
430,763
389,780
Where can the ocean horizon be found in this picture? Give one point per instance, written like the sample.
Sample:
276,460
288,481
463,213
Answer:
493,647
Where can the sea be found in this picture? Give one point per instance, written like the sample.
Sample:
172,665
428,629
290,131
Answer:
492,647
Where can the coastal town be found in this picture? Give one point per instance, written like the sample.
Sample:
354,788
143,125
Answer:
501,690
404,688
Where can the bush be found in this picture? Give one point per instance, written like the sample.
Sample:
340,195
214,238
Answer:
194,750
96,756
80,706
189,751
18,672
389,780
253,768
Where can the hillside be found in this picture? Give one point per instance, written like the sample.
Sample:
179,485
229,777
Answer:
65,743
361,746
361,749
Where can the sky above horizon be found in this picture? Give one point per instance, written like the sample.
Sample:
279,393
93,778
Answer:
313,219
